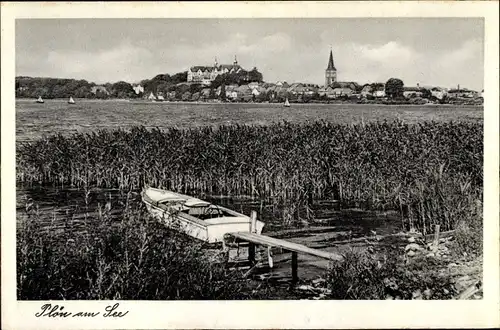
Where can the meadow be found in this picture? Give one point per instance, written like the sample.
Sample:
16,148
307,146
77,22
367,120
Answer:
416,162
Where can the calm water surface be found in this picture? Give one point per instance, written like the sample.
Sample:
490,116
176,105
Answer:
34,120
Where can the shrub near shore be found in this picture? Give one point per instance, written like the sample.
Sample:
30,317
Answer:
132,258
431,172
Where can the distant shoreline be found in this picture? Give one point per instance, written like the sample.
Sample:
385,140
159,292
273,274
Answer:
253,103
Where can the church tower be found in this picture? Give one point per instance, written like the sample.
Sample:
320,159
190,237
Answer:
330,72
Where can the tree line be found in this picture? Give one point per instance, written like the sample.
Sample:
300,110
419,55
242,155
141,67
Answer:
49,88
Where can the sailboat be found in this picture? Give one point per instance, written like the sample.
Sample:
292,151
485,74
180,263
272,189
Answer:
40,100
71,101
287,104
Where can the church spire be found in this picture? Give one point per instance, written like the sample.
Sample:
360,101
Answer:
331,66
235,60
330,72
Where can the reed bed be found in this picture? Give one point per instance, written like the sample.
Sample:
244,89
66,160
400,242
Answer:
432,172
128,257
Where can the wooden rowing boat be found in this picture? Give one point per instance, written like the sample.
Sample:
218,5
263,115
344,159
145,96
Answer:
195,217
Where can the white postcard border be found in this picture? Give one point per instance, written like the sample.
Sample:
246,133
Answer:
258,314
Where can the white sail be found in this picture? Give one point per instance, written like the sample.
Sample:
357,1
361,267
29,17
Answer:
71,101
287,104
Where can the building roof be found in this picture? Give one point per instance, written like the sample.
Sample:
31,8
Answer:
200,67
331,66
412,89
367,88
296,85
244,89
461,90
345,84
211,68
229,67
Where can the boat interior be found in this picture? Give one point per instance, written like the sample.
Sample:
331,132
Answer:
194,207
207,212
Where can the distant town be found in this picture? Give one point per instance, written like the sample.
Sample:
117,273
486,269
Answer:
232,83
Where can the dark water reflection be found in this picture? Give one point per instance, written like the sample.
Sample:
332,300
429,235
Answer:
67,204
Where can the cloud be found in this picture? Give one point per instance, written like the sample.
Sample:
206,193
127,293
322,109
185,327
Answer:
278,55
389,52
375,63
278,42
266,52
470,50
463,65
445,67
122,62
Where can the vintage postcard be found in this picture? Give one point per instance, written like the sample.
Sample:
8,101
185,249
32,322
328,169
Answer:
250,165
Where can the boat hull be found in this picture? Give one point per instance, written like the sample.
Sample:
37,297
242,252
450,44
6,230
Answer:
210,231
169,219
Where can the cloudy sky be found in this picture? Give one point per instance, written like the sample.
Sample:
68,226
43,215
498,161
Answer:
429,51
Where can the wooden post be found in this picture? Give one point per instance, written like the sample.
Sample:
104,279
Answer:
295,277
270,257
251,253
253,222
436,235
339,191
253,229
225,249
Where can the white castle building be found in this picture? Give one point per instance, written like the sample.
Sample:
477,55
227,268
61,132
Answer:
206,74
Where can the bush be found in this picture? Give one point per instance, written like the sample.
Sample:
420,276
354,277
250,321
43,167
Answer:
358,277
469,237
440,198
362,276
135,258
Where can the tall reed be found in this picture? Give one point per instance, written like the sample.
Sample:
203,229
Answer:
376,165
133,257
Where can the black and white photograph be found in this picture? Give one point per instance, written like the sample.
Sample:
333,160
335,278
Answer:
254,158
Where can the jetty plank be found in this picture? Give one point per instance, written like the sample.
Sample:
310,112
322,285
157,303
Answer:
293,247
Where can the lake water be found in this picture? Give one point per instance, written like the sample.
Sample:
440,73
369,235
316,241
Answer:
65,211
34,120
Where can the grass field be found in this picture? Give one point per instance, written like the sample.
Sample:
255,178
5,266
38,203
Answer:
34,120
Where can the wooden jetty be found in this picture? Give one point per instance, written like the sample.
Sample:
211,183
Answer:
253,239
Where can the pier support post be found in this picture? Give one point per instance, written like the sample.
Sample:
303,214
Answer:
295,276
436,235
251,253
253,222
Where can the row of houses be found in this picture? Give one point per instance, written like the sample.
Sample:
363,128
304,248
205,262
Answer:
256,90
